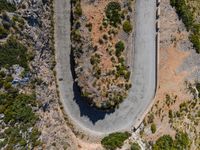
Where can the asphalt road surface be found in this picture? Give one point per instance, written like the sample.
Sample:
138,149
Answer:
141,95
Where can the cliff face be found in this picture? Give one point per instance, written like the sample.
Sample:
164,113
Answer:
101,33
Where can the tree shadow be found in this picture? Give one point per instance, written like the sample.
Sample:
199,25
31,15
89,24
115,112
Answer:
86,109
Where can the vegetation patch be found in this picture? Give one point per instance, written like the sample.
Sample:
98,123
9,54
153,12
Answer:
6,6
102,71
181,142
188,19
114,140
135,146
113,13
19,119
13,52
3,32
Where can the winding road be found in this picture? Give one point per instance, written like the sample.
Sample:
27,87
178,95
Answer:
131,111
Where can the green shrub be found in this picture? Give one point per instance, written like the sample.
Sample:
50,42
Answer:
153,128
13,52
135,146
195,39
78,10
19,117
182,141
4,5
164,143
114,140
198,87
170,114
119,46
187,17
127,75
127,26
3,32
7,85
113,13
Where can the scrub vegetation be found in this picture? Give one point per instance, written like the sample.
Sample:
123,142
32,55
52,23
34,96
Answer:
5,6
13,52
166,142
114,140
186,12
18,119
101,67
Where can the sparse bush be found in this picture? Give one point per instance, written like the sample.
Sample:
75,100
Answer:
89,26
150,118
95,59
100,41
170,114
105,37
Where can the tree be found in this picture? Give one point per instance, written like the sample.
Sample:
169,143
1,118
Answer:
114,140
182,141
164,143
113,13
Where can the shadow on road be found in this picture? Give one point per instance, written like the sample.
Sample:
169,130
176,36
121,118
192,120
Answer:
85,109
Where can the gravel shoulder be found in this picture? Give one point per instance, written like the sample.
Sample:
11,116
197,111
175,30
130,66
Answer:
141,94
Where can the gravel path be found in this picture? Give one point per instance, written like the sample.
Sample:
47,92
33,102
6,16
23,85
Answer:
129,113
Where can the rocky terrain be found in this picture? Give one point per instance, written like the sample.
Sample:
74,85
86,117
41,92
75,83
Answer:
100,43
30,79
32,72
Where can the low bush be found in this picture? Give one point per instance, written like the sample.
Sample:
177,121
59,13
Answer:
114,140
135,146
6,6
153,128
164,143
195,39
13,52
127,26
119,46
3,32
